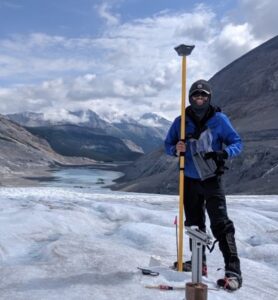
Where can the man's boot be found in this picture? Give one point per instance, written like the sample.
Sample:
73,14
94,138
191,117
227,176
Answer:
232,280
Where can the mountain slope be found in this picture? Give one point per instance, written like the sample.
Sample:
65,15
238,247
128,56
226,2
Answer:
73,140
154,172
247,89
156,121
22,152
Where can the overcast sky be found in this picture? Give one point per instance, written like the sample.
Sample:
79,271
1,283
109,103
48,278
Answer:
117,56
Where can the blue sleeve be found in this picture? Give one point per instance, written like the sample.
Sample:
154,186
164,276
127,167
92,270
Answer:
172,138
230,138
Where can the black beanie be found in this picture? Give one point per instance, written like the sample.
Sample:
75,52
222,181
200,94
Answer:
200,86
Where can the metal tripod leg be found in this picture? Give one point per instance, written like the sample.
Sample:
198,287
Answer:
197,264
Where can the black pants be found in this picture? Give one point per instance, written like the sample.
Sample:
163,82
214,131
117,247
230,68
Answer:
209,195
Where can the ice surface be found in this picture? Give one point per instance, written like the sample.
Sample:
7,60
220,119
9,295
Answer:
69,243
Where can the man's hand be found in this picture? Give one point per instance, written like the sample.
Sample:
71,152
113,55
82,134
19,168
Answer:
180,148
217,155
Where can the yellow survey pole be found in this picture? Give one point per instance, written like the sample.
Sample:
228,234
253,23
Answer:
183,51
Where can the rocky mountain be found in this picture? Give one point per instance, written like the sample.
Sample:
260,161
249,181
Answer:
24,154
154,172
148,138
247,91
85,118
29,119
86,133
154,120
75,140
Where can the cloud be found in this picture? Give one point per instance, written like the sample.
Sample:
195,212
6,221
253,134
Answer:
195,25
262,16
104,10
41,56
130,67
19,99
62,114
233,41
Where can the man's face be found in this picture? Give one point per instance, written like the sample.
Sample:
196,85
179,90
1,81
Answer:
200,98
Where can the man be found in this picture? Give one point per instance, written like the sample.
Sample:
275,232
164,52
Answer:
207,129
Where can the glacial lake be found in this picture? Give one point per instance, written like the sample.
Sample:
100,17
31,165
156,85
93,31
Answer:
95,179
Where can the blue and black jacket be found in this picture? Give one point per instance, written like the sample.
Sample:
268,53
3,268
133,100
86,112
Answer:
209,134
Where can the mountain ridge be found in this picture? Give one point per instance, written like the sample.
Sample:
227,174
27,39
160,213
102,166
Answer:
137,137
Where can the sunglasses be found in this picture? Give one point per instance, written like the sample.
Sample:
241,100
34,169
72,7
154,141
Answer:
200,94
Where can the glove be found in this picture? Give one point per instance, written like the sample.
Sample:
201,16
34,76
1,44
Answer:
217,156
